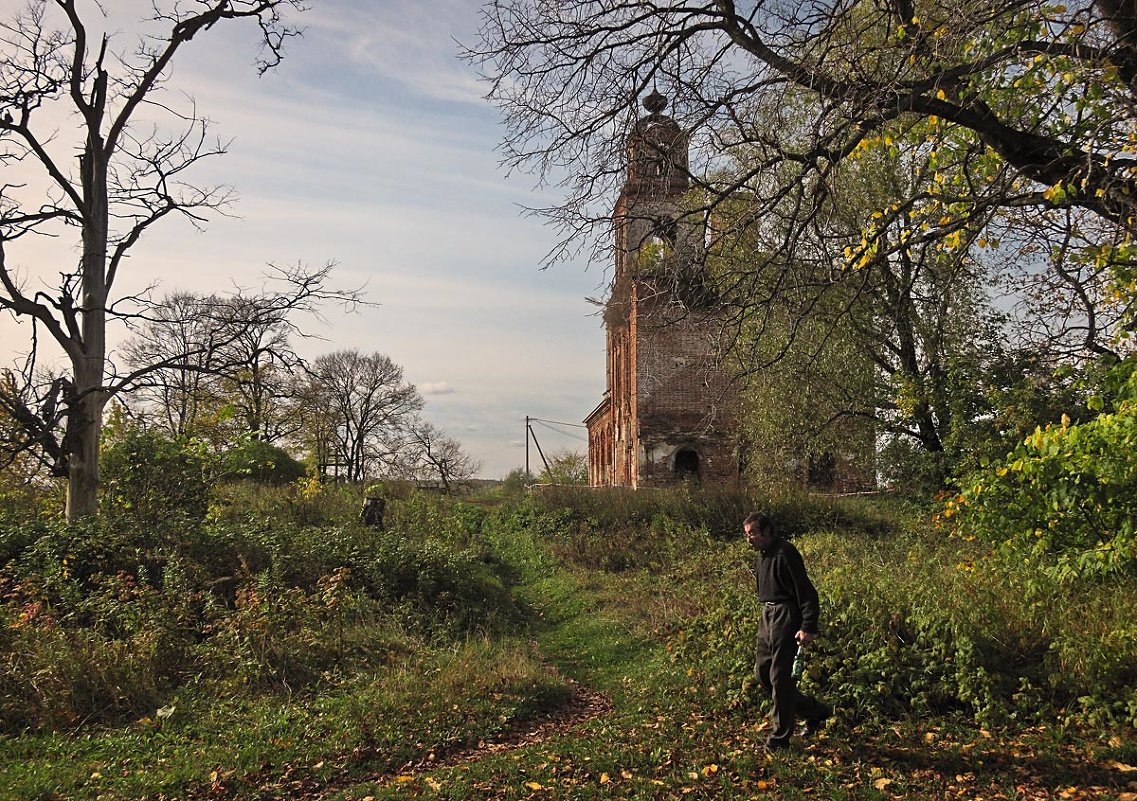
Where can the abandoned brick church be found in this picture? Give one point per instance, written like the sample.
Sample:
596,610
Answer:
666,416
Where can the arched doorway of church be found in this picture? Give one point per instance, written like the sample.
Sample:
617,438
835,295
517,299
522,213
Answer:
687,464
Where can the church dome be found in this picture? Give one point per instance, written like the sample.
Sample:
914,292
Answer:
657,151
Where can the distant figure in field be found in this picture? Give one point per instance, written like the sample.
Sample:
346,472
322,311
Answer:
372,514
789,619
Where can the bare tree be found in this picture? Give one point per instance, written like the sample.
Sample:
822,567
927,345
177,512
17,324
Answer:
356,409
125,179
260,366
177,344
28,421
432,455
192,353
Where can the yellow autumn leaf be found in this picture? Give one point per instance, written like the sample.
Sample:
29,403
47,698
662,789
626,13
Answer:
880,784
605,778
434,784
534,785
404,779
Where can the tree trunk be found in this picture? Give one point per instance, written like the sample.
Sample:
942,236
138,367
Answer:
85,427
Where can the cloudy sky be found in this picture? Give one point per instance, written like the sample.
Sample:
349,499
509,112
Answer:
371,146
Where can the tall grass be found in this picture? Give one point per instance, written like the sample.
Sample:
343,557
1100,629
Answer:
270,587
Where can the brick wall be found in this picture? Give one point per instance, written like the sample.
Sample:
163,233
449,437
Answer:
684,400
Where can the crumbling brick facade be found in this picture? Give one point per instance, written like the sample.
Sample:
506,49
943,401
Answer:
666,416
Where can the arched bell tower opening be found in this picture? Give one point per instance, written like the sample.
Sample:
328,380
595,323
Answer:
667,415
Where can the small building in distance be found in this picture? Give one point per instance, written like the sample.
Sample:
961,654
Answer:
667,414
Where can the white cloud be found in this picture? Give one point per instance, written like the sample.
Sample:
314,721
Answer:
408,41
436,388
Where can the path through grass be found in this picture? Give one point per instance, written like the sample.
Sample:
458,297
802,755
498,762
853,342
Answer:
496,719
665,738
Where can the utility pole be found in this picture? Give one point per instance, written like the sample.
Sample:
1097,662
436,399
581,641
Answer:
527,473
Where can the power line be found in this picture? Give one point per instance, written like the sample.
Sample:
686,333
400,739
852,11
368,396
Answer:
558,422
530,434
563,433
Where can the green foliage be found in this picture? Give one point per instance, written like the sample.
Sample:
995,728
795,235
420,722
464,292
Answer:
262,462
566,467
619,529
1066,497
338,653
95,629
275,587
925,626
204,743
152,480
515,482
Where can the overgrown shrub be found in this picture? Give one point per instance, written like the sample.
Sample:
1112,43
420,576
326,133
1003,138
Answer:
286,636
619,529
56,677
1066,497
261,462
156,483
261,592
915,624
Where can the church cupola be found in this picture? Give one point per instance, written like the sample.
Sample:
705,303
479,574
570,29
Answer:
657,153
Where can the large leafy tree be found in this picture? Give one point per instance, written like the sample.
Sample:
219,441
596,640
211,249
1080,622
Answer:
78,128
1065,498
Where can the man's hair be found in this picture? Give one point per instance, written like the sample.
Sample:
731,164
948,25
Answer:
763,522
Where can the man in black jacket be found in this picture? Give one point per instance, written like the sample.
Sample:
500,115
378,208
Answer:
789,618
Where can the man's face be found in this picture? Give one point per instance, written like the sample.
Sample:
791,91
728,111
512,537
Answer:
759,539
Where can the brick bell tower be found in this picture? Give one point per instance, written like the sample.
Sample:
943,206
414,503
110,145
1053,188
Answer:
666,416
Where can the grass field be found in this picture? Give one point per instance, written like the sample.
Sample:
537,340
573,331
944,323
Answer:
608,685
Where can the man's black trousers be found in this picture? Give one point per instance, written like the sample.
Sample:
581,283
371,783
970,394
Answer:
773,668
